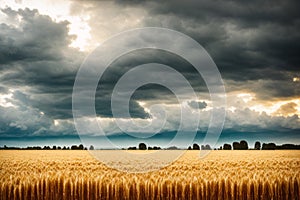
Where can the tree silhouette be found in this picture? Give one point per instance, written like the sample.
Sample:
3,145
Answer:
288,146
46,148
156,148
236,145
227,147
142,146
196,146
91,147
206,147
269,146
74,147
244,145
257,145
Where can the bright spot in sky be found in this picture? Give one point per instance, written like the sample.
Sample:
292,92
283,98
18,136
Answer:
4,100
296,79
232,108
246,97
81,29
56,122
59,11
141,103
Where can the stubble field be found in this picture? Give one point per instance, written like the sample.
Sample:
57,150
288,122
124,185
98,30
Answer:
74,174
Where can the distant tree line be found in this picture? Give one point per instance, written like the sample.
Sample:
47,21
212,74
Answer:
197,147
143,146
73,147
242,145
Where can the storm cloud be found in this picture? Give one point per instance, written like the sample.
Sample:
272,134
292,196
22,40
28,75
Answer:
249,42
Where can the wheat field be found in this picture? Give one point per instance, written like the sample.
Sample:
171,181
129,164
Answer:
57,174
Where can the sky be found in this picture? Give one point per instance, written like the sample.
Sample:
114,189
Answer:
253,44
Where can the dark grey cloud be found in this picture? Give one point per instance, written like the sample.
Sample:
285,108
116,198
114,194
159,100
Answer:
37,62
35,55
151,91
267,89
246,34
247,40
38,37
256,11
198,104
